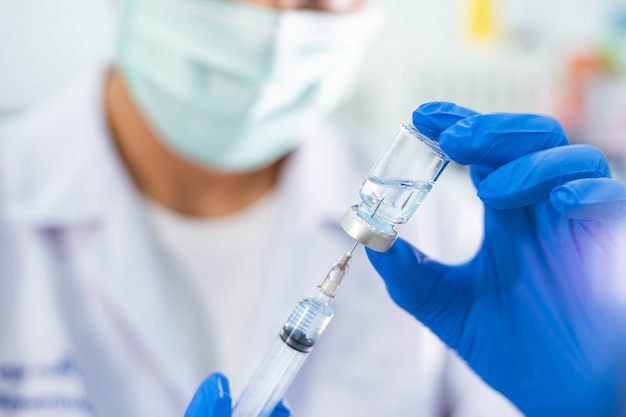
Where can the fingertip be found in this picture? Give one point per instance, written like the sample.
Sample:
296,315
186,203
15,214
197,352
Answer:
444,107
372,255
533,177
282,409
435,106
457,142
402,256
562,198
211,398
590,199
434,117
221,383
375,258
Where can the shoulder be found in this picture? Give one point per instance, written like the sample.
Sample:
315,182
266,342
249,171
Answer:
52,120
47,150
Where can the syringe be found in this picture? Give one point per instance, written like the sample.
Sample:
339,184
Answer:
290,349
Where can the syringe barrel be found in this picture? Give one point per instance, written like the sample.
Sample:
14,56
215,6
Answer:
285,357
270,381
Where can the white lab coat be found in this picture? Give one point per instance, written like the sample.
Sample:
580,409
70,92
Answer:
86,324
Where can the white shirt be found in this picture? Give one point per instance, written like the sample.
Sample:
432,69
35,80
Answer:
217,269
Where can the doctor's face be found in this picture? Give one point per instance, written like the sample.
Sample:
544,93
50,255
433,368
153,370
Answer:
337,6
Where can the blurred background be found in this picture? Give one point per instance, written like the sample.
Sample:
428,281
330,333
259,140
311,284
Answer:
45,44
557,57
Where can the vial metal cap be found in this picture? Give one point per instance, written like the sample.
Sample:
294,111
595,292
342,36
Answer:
365,233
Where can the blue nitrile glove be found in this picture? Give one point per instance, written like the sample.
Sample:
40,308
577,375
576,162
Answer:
212,399
534,313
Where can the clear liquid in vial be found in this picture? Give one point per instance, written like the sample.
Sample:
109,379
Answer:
392,200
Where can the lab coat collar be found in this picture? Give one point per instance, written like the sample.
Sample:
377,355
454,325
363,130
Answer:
58,167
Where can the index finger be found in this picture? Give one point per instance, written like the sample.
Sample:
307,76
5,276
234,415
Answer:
495,139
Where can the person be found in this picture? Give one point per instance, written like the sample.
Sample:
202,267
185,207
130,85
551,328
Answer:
160,219
540,311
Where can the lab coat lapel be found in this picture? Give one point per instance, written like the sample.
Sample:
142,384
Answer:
114,302
116,308
122,265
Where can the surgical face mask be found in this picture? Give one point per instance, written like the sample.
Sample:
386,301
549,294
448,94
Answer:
234,86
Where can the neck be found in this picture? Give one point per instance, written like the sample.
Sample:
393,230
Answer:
170,179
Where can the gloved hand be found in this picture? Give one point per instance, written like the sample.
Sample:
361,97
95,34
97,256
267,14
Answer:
212,399
537,312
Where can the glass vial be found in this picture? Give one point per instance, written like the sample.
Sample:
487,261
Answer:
395,187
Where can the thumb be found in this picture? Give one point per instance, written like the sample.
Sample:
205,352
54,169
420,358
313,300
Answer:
425,288
281,410
212,398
